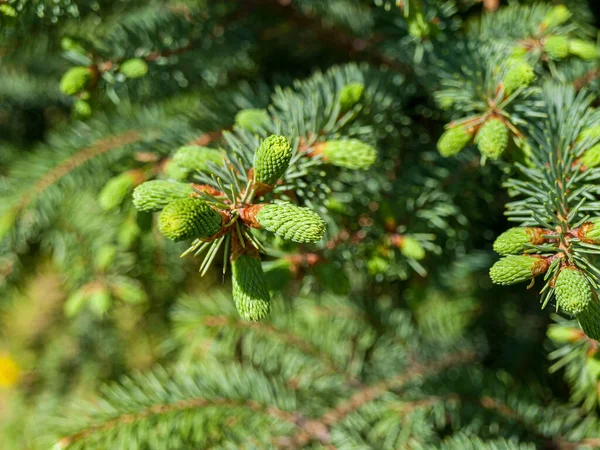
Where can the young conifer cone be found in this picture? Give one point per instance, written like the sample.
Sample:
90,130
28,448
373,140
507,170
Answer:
590,231
250,291
348,153
252,119
584,49
556,16
117,188
516,269
557,47
350,95
134,68
519,74
191,158
591,157
271,160
156,194
75,80
82,109
287,221
492,138
573,292
412,248
453,140
514,240
189,218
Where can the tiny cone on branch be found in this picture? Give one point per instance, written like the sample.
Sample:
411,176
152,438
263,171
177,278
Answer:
584,49
556,16
291,222
492,138
249,284
271,160
350,95
75,80
590,231
514,240
519,74
410,247
453,140
189,218
117,188
349,153
191,158
573,291
591,157
557,47
154,195
134,68
514,269
252,119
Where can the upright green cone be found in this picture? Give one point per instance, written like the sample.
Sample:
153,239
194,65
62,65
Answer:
514,240
350,95
516,269
272,159
453,140
557,47
189,218
252,119
349,153
156,194
250,290
584,49
134,68
556,16
573,291
191,158
291,222
492,138
75,80
519,74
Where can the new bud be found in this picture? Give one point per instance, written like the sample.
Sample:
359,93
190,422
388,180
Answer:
584,49
82,109
516,269
514,240
556,16
156,194
492,138
412,248
117,188
591,157
349,153
590,231
291,222
271,160
573,291
189,218
250,290
453,141
252,119
75,80
134,68
557,47
191,158
519,74
350,95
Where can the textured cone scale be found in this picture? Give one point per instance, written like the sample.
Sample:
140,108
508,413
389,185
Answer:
156,194
573,291
556,16
252,119
411,248
590,231
75,80
291,222
584,49
492,138
519,74
453,141
350,95
516,269
589,319
350,154
271,160
591,157
191,158
134,68
557,47
189,218
514,240
250,291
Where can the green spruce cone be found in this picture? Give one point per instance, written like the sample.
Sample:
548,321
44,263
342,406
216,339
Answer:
250,290
591,132
556,16
514,240
492,138
191,158
589,320
189,218
115,190
453,141
557,47
418,25
8,11
412,248
350,95
590,231
519,74
271,160
591,157
516,269
573,291
75,80
82,109
584,49
134,68
253,119
349,153
156,194
292,222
